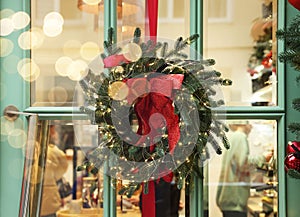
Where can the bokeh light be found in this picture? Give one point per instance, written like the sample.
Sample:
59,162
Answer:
92,2
51,29
132,52
77,70
5,13
62,65
72,49
37,37
53,24
7,26
118,90
28,69
17,138
57,95
22,62
8,126
24,40
20,20
10,64
89,50
6,47
55,17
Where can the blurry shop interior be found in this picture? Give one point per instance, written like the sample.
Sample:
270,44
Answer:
46,47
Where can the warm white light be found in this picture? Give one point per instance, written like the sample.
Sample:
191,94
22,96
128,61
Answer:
132,52
89,50
17,138
7,27
51,29
53,24
37,38
20,20
54,17
92,2
24,40
62,65
29,70
6,13
22,62
6,47
77,70
118,90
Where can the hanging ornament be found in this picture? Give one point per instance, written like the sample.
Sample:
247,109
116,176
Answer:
292,162
290,148
295,3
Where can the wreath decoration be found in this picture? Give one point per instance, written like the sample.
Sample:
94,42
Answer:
170,97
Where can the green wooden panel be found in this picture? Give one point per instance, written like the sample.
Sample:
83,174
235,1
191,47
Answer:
196,27
109,200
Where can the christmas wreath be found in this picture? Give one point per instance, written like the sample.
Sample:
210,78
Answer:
171,100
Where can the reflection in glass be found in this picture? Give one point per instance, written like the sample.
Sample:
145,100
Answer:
244,178
70,39
245,51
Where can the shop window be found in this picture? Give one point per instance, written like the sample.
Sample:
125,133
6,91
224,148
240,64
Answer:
245,51
244,178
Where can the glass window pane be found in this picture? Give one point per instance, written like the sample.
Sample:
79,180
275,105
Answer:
217,8
178,21
178,8
244,178
65,37
163,9
244,48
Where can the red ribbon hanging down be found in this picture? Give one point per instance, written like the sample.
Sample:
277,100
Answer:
151,18
148,200
155,97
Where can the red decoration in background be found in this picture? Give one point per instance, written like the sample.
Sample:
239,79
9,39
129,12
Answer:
295,3
290,149
267,60
292,160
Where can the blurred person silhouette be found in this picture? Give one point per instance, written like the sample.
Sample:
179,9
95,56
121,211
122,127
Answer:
234,182
56,166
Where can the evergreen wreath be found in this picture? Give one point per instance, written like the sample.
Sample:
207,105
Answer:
198,79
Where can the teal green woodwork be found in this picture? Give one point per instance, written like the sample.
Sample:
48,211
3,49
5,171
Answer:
292,91
196,27
13,92
109,197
